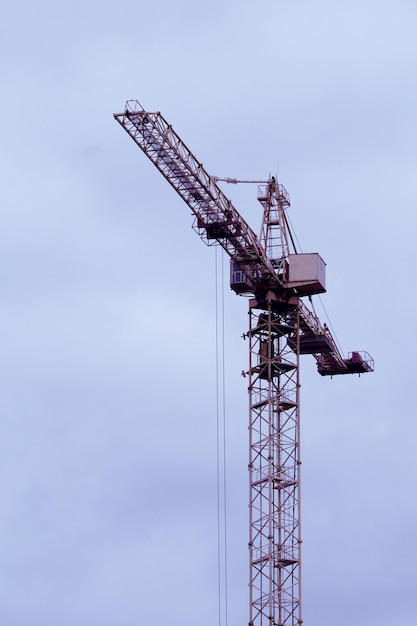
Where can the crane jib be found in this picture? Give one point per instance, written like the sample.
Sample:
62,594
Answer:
216,218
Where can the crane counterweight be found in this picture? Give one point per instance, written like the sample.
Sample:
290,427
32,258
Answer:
276,278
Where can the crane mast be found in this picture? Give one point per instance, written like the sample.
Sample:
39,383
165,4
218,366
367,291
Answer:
282,327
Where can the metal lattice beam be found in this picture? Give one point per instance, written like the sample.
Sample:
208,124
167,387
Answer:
217,220
281,328
274,468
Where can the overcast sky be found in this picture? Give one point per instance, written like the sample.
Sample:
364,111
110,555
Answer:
108,346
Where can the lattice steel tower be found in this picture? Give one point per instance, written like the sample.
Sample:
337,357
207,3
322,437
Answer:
276,277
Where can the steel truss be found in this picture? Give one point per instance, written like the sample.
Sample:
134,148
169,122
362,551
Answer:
274,466
281,328
216,219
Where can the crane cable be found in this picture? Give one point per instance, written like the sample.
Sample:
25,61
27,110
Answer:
221,442
291,230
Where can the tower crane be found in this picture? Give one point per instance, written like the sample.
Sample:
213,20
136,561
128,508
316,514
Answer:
282,327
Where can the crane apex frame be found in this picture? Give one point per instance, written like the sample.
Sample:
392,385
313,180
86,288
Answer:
282,327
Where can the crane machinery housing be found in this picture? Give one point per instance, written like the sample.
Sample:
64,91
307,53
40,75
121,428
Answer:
282,327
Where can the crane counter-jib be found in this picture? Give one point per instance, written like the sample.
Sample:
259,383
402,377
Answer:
216,217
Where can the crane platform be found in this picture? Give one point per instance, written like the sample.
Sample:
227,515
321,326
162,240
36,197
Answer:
356,363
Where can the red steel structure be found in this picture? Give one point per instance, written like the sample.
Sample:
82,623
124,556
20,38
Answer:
282,327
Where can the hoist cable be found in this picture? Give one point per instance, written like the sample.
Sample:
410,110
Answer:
224,444
221,443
